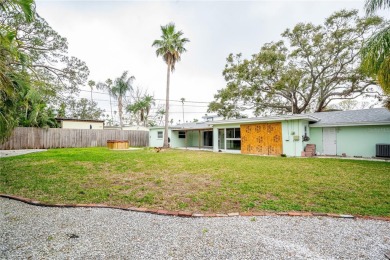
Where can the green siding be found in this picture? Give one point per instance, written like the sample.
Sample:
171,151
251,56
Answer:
294,146
351,140
192,138
175,140
316,138
355,140
154,141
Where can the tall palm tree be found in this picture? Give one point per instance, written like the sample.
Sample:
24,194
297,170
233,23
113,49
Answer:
376,51
170,46
160,113
142,108
122,85
149,102
91,84
107,85
137,109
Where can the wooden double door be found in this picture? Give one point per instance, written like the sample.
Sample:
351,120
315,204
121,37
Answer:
263,139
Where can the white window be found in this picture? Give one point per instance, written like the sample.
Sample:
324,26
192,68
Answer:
160,134
229,138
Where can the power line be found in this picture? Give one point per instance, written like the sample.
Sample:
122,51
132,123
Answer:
159,99
180,112
116,102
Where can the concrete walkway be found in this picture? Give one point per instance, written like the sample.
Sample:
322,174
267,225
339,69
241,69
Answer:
8,153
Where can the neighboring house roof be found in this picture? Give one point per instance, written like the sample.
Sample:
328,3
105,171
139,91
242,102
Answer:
79,120
126,128
192,126
187,126
265,119
373,116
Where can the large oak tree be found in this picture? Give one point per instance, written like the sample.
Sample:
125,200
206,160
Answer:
313,66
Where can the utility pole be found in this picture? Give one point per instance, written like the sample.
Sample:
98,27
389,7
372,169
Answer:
182,105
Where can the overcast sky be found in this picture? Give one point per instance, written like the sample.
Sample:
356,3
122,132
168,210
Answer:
113,36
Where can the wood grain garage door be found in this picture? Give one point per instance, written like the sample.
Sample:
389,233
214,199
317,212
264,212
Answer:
264,139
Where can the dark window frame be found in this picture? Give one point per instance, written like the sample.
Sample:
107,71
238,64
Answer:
182,134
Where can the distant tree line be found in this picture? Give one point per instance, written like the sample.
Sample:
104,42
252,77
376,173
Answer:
36,72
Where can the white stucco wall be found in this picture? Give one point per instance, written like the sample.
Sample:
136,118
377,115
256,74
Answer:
294,128
154,141
191,140
81,125
135,128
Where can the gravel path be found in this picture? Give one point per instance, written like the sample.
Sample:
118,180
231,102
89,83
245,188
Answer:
31,232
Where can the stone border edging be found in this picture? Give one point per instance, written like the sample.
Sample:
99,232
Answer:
193,214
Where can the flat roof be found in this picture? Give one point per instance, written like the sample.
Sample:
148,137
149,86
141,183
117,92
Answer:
188,126
79,120
278,118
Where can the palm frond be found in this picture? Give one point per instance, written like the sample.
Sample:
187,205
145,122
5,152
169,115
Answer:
372,5
122,85
376,50
170,45
376,58
384,76
27,7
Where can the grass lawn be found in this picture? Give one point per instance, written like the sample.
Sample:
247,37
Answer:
199,181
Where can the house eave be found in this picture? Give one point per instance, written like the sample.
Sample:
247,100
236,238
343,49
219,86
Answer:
192,129
265,119
350,124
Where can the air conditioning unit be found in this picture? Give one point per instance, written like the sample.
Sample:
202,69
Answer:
383,150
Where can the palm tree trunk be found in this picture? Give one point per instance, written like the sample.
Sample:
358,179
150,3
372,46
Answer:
166,144
112,118
120,111
147,111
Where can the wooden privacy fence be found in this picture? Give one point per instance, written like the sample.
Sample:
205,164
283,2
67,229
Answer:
40,138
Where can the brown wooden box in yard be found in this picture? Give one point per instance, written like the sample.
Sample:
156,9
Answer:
117,144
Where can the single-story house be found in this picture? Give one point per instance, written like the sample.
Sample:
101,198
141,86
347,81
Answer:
363,133
71,123
198,135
